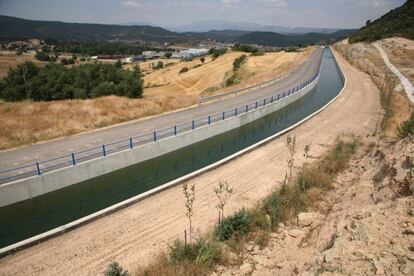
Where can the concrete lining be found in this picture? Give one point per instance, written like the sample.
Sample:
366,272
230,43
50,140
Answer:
38,185
67,227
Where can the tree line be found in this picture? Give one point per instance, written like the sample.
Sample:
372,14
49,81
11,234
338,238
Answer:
102,48
57,82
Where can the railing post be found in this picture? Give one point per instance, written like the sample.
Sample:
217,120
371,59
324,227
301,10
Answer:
38,168
192,124
73,159
264,102
235,112
223,115
256,106
247,108
271,99
131,145
103,150
155,136
175,130
209,119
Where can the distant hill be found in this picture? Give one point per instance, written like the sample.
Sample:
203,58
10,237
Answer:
397,22
208,25
281,40
12,28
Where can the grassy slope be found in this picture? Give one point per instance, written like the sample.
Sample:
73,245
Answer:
397,22
27,122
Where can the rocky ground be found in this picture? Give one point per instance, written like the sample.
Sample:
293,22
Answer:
363,226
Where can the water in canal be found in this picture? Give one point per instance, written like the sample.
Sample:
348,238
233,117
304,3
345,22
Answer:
31,217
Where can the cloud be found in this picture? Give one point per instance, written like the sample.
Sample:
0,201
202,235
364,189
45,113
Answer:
367,3
372,3
275,3
229,2
131,3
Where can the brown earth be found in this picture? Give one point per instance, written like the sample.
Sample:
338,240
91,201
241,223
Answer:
367,58
133,236
400,51
363,226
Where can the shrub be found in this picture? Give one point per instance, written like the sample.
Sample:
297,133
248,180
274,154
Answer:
245,48
337,158
407,127
238,62
209,254
259,53
183,70
217,52
231,81
237,224
201,252
42,56
180,252
309,178
115,269
64,61
57,82
159,65
262,239
273,205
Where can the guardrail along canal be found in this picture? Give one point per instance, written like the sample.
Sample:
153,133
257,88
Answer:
31,217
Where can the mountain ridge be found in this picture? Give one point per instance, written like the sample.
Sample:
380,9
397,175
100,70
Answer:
17,28
397,22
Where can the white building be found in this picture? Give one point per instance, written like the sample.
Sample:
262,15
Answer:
149,54
192,53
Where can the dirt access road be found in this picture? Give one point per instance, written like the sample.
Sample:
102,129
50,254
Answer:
134,235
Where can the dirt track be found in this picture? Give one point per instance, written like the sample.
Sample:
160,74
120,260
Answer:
133,235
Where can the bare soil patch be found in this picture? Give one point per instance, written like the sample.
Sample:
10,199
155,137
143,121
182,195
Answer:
367,58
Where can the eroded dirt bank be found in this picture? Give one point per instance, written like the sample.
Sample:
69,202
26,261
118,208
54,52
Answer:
363,226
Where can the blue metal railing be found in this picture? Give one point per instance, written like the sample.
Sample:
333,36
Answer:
72,159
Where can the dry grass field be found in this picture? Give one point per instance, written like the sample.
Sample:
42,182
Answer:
367,58
208,78
23,123
10,60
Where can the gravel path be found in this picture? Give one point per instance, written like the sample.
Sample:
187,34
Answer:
408,87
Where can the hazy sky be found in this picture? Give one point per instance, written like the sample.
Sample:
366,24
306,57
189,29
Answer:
291,13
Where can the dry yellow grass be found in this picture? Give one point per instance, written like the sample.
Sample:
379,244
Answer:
28,122
365,57
207,78
10,60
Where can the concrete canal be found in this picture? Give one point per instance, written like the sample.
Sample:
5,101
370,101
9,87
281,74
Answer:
28,218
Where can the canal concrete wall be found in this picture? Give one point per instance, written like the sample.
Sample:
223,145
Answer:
38,185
